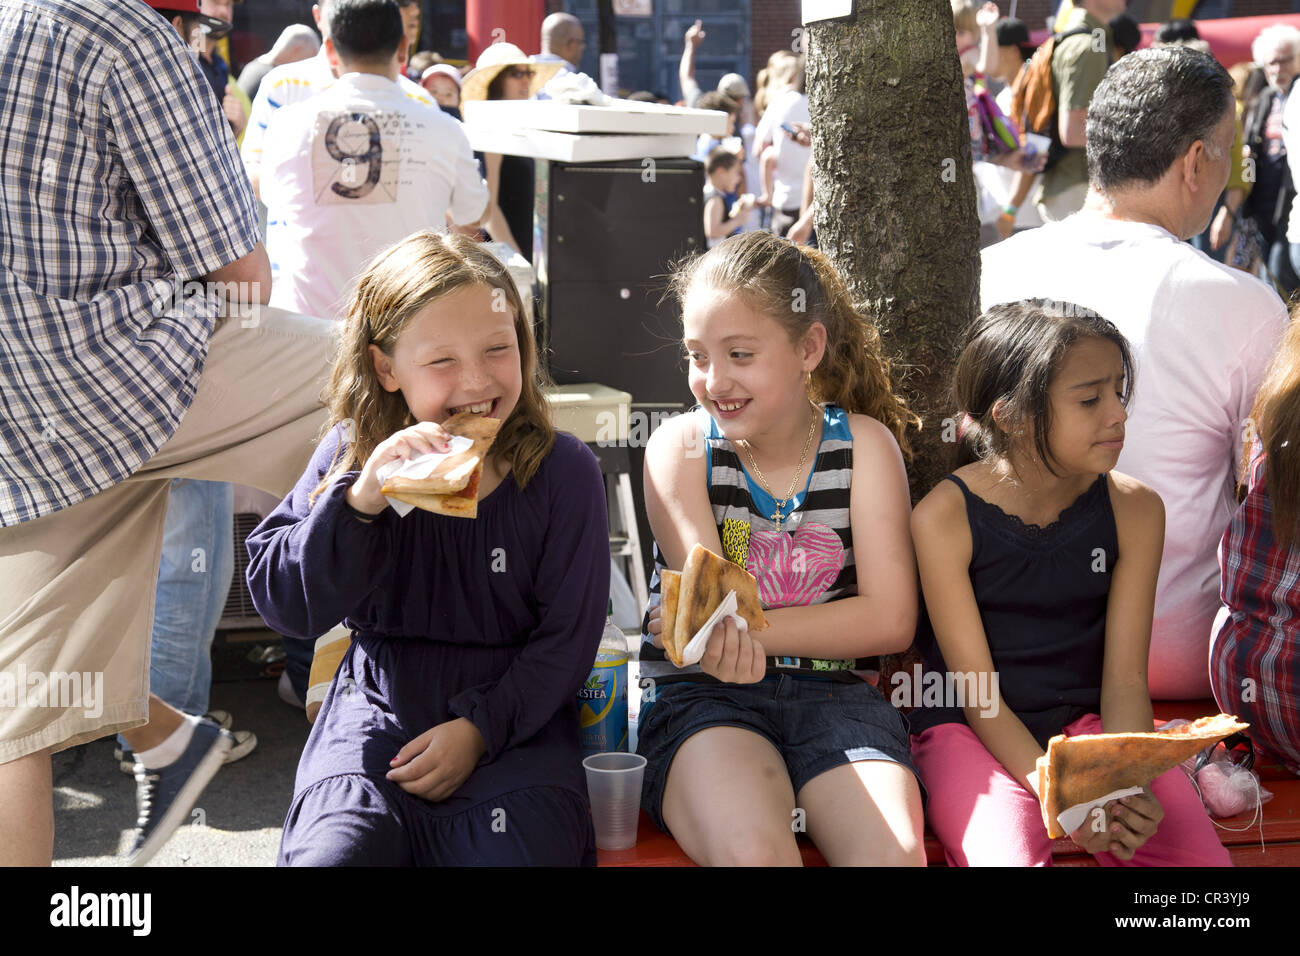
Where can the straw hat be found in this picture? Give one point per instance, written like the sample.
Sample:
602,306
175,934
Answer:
502,56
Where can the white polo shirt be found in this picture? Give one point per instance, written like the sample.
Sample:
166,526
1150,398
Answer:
293,83
792,159
351,171
1291,139
1202,335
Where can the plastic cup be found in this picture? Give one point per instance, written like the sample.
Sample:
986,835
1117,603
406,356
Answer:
614,786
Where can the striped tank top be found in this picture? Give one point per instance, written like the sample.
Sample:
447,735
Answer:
809,561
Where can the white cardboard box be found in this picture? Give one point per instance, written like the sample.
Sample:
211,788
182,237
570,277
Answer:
576,148
591,412
627,116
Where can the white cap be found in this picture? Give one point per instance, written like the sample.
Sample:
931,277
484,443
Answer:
734,85
442,69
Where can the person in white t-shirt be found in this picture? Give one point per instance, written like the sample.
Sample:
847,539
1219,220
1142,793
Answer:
788,107
1160,129
293,83
356,168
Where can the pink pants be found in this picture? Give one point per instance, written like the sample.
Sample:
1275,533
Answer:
985,817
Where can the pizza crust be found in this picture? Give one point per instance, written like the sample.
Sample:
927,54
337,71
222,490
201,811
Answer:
453,506
670,583
1082,769
452,489
696,593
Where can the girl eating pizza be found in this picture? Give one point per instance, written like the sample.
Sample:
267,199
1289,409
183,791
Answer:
790,467
450,733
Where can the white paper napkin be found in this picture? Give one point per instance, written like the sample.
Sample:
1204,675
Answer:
693,652
1076,816
422,466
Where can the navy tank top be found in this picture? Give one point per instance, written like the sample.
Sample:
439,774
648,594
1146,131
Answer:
1042,595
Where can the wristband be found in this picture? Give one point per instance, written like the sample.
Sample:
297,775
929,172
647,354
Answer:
1010,210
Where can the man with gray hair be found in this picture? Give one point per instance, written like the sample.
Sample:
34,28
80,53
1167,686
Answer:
296,42
1160,129
563,41
1277,52
1273,135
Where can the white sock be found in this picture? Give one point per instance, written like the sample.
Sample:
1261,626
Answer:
171,748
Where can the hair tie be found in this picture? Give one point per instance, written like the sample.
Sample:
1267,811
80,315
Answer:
965,423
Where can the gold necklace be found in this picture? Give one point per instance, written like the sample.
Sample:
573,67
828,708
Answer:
803,458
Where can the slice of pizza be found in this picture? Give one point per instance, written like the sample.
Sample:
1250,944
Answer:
1081,769
706,579
452,487
670,583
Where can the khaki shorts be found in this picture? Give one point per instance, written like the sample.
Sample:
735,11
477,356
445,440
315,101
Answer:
78,585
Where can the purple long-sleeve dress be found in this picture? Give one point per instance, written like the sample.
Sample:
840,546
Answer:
495,619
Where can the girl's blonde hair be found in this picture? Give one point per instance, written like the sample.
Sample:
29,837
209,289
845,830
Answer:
397,284
785,70
797,287
761,82
1276,418
963,16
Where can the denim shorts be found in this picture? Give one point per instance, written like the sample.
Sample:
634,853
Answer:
816,725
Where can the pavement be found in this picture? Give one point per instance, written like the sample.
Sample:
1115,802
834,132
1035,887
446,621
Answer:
237,819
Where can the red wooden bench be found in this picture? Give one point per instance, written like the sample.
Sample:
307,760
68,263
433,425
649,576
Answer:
1280,833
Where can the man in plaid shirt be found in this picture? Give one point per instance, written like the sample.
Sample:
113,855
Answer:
128,229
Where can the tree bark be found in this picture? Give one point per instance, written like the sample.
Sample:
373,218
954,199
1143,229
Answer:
895,195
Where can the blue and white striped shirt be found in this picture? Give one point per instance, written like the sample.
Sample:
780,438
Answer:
118,179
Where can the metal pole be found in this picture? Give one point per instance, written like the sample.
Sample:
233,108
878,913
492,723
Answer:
608,47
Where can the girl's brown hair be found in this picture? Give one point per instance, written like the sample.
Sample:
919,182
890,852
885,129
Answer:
397,284
1011,354
1276,418
797,287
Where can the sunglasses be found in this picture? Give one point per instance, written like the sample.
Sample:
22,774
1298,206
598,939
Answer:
519,73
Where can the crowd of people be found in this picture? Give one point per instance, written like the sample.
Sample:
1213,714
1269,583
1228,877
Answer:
1128,383
1251,228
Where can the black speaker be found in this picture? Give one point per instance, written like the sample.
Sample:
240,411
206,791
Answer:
609,234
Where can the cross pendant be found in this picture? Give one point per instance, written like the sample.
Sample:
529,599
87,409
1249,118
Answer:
776,516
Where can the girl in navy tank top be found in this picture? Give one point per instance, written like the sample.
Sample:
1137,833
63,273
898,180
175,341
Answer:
791,468
1038,567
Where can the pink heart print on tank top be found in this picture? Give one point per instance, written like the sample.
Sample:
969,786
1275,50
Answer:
793,570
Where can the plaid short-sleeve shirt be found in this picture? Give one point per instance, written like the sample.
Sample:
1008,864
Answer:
1260,640
119,182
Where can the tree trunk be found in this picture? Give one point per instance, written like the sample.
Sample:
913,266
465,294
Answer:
895,194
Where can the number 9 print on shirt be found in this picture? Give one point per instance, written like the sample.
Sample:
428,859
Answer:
348,151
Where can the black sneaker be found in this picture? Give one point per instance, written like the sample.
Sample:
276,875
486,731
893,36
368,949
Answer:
166,795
